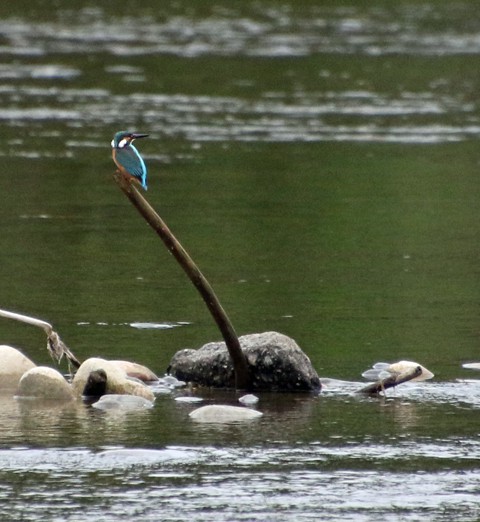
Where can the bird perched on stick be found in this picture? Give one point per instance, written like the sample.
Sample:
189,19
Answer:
127,158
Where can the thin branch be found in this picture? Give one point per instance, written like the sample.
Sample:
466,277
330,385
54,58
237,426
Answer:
47,327
242,374
55,346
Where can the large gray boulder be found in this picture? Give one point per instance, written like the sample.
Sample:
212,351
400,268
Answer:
275,361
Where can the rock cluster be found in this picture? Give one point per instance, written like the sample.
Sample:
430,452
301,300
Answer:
20,376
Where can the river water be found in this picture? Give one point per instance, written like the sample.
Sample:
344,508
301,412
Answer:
319,161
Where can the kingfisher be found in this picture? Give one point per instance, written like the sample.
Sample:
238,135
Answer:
126,156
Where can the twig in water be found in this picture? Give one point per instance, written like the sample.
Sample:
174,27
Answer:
391,381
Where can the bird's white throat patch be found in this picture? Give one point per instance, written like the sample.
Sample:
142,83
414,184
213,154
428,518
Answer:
121,143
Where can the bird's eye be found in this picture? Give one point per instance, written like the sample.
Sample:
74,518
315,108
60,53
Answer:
122,143
113,144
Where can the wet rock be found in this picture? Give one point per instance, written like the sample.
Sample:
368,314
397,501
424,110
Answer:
122,403
136,370
42,382
160,389
472,366
248,400
117,379
13,365
276,364
166,385
172,382
96,384
217,413
188,399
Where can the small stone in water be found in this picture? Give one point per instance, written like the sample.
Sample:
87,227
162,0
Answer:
248,400
122,402
172,382
161,390
189,399
219,414
472,366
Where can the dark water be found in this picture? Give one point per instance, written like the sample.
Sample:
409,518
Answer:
319,161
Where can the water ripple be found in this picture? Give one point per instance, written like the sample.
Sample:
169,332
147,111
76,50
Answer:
266,32
236,484
403,453
274,117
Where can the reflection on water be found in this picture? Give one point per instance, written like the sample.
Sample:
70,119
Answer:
319,159
306,455
204,483
139,326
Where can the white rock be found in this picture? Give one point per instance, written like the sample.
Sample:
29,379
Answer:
472,366
122,403
139,371
13,365
224,414
248,399
117,379
188,399
159,389
42,382
172,382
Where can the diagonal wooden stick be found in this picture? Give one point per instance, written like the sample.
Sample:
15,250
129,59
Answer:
55,346
391,381
242,374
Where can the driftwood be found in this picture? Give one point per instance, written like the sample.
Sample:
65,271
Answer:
391,381
242,375
55,346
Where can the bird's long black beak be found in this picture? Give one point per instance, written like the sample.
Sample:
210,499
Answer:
136,135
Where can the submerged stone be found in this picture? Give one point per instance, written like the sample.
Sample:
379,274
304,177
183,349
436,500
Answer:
122,403
188,399
217,413
172,382
275,361
248,400
472,366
